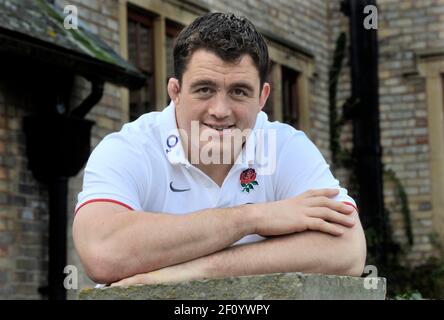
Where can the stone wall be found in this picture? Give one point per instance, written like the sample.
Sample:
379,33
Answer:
276,286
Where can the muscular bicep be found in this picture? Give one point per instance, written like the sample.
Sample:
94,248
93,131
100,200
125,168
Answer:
302,167
117,171
93,224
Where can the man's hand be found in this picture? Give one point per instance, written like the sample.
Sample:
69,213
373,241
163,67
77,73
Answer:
186,271
312,210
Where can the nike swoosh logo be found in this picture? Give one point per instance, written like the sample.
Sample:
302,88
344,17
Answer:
177,190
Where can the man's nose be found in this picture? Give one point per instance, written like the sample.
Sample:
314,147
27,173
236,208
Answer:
220,108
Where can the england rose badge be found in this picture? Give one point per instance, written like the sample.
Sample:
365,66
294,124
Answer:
248,180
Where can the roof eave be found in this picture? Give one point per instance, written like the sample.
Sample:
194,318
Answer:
32,48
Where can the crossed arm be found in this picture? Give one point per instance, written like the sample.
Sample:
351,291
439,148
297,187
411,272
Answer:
309,233
309,252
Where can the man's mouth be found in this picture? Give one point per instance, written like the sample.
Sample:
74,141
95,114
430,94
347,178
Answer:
220,128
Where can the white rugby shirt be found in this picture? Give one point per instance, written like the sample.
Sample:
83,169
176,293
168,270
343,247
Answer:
143,167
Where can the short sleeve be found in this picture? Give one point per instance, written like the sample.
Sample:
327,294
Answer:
117,171
302,167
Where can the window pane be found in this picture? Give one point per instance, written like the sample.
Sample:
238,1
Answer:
290,99
141,54
132,37
169,56
146,48
172,31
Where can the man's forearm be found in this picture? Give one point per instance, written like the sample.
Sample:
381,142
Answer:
120,244
309,252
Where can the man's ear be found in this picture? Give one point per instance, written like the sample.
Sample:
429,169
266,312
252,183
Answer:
266,88
174,90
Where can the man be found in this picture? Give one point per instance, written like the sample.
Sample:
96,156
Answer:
184,193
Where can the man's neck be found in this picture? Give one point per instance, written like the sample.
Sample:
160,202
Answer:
217,172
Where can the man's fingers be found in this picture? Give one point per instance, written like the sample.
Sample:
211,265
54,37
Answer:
327,192
118,284
316,224
137,279
124,282
332,216
329,203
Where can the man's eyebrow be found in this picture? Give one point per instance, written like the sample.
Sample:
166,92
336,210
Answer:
202,83
242,85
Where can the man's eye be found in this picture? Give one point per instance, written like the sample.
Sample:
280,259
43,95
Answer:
204,90
239,92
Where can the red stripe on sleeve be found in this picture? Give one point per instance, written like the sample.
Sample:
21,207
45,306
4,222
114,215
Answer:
104,200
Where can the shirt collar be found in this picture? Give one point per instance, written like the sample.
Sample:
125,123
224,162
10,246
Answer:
172,143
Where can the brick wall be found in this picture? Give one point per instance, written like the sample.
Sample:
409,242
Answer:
23,204
404,28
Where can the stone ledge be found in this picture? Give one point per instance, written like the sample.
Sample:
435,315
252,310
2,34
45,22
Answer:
281,286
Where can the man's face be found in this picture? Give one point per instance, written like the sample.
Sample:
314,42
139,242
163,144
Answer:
221,99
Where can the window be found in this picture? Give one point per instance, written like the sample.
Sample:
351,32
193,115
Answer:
290,97
290,73
283,104
172,30
141,54
148,31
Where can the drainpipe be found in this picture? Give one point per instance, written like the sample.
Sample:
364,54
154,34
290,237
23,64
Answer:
366,132
90,101
58,146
